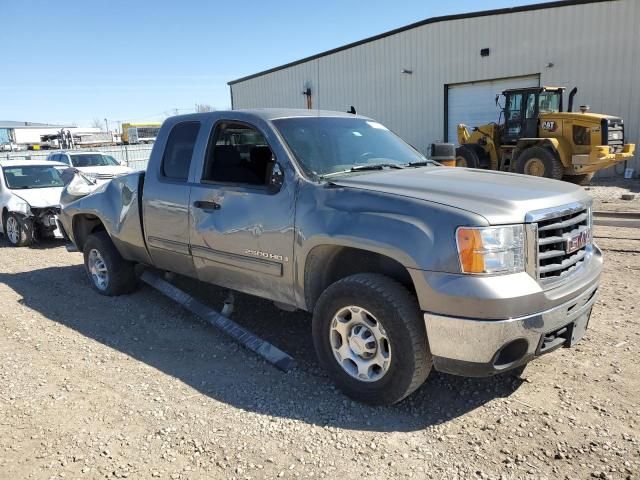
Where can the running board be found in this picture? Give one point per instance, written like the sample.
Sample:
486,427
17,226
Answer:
270,353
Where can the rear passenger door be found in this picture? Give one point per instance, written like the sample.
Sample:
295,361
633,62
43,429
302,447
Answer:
242,227
166,201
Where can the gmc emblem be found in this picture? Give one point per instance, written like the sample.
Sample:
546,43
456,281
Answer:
578,241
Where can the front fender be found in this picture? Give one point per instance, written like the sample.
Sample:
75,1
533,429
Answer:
116,205
417,234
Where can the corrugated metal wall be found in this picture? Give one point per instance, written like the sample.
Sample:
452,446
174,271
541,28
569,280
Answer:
595,46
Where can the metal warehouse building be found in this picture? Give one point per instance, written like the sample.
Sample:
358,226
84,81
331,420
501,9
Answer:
423,79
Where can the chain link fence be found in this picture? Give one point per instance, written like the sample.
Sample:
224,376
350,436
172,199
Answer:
134,156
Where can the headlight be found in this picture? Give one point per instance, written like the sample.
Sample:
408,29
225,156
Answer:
19,206
491,249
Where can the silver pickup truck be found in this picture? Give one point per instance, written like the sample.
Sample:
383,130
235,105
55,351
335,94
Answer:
405,264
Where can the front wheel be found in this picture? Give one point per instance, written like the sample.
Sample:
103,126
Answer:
108,272
539,162
370,338
19,232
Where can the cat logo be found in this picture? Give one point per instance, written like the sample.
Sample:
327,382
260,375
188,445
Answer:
549,125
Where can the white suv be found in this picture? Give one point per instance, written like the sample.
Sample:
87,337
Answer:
95,165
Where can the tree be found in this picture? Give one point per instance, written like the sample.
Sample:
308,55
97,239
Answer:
203,107
97,123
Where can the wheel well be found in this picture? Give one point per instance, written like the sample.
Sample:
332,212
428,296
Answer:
83,226
326,264
542,143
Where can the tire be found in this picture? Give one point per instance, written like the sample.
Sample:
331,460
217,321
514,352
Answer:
101,257
539,162
584,179
467,157
21,234
388,305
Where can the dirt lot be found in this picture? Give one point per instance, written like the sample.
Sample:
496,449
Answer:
95,387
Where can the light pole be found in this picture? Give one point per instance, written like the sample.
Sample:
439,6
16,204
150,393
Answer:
106,124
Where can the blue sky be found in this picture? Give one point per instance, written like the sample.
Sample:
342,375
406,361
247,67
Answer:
74,61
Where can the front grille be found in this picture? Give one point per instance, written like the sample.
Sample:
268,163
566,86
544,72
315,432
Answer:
613,134
554,263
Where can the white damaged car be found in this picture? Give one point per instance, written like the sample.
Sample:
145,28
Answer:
95,165
30,200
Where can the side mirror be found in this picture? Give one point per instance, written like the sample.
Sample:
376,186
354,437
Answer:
276,179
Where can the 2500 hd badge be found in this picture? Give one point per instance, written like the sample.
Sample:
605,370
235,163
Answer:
270,256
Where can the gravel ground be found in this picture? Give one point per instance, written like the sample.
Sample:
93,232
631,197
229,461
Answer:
134,387
607,193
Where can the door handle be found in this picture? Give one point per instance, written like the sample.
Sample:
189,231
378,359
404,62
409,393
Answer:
206,205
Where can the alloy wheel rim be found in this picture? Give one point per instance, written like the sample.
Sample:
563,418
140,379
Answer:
98,269
13,230
535,167
360,344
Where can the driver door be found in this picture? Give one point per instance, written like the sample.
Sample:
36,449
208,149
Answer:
242,229
514,117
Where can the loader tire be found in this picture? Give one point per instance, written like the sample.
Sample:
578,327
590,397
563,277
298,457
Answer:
539,162
584,179
466,157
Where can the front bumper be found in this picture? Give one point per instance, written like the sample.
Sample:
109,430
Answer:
477,348
599,158
467,336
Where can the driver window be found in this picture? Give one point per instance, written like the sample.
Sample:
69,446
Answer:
515,104
238,153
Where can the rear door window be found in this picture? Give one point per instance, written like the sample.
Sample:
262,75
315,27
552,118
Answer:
176,160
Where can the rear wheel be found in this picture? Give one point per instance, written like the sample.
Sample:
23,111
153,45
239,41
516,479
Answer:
466,157
370,338
584,179
539,162
108,272
19,232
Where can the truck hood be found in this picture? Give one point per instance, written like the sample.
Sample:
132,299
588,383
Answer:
40,197
499,197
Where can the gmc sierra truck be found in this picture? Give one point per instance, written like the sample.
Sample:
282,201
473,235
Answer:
406,265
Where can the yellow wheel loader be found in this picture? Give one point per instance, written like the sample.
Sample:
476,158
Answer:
536,137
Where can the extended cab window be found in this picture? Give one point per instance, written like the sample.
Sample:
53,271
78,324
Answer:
179,150
238,153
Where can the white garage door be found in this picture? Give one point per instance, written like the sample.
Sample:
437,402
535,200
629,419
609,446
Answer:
475,103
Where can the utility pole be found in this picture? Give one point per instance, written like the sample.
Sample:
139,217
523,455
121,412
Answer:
106,124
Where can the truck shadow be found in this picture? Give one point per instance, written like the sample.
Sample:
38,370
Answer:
151,329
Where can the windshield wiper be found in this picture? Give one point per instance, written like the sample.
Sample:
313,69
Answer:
421,163
360,168
375,166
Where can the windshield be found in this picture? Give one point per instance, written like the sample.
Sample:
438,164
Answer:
37,176
93,160
325,146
